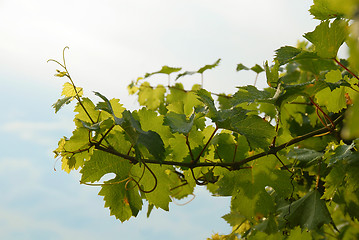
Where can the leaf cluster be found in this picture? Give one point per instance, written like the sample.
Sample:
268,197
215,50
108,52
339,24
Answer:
286,155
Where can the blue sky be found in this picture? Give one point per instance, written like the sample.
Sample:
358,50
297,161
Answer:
112,43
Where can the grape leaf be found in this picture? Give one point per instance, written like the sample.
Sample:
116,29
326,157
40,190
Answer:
248,94
161,186
151,97
122,199
178,122
304,156
181,101
186,73
164,70
102,125
59,103
248,188
149,139
272,73
291,92
333,99
308,212
241,67
286,54
351,129
234,218
229,150
323,10
298,234
268,226
102,163
334,180
257,69
107,106
262,235
77,141
207,99
207,67
150,120
327,39
257,131
84,115
68,90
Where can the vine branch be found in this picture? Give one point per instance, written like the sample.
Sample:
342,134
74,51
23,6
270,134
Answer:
232,165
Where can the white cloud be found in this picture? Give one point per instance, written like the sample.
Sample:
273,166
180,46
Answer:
37,132
113,42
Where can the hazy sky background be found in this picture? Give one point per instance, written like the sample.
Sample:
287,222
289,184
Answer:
112,43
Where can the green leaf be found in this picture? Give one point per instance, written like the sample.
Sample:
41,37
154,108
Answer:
102,163
149,139
60,73
286,54
241,67
351,129
234,218
106,124
164,70
311,62
229,150
268,226
58,105
323,10
107,106
334,100
291,92
308,212
328,39
68,90
305,156
122,199
298,234
161,186
178,122
257,131
78,140
272,73
333,181
248,94
186,73
207,99
151,97
340,153
207,67
257,69
149,210
150,120
248,188
90,111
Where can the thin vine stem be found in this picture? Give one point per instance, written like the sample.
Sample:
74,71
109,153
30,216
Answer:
231,165
339,63
204,148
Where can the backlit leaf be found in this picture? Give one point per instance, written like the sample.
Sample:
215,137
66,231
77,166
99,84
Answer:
287,53
241,67
207,67
164,70
178,122
327,39
58,105
68,90
308,212
323,10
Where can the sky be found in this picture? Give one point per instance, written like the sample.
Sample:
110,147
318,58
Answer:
110,44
